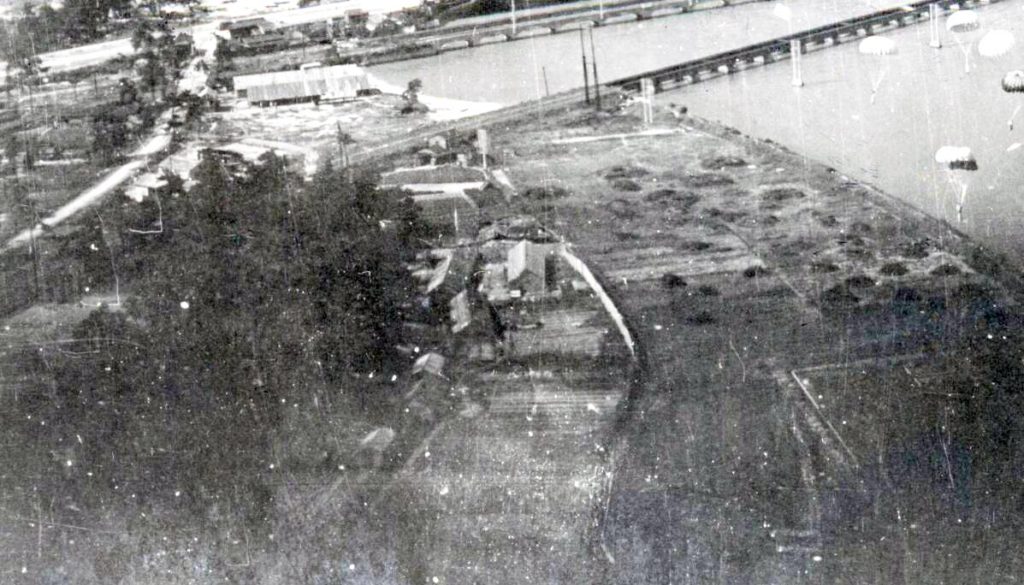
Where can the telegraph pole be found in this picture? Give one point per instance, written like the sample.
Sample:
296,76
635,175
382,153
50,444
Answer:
586,79
593,56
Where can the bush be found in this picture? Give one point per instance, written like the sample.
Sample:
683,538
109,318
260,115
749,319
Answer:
625,172
828,221
893,269
546,192
839,296
860,281
672,280
695,246
719,162
702,180
626,185
755,271
780,194
824,267
945,270
916,249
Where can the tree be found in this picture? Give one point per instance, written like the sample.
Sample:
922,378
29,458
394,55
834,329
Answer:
412,91
110,134
152,72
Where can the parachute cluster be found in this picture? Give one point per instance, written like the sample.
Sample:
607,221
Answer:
965,27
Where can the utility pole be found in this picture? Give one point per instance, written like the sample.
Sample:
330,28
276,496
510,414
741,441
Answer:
544,72
597,85
513,17
586,79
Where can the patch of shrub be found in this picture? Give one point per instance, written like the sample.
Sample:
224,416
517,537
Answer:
735,192
945,270
722,161
859,227
545,193
682,200
828,220
916,249
824,267
702,180
860,281
695,245
839,296
726,216
672,280
858,253
893,269
755,271
625,172
626,185
780,194
769,220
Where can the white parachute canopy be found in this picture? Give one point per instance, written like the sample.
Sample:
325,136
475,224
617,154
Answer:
963,21
960,24
996,43
878,46
956,157
1013,82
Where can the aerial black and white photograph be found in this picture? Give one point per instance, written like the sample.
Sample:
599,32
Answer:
507,292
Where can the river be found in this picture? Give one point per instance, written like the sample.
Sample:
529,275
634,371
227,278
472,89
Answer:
925,99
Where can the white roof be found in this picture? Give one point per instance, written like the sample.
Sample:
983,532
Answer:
298,76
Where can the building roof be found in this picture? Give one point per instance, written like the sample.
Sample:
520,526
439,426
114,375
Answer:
247,23
525,258
318,81
246,151
431,363
460,313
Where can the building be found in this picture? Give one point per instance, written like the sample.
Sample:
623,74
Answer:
236,157
304,85
453,217
531,268
429,363
246,28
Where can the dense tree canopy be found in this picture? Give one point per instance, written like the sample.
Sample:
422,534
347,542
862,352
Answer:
250,289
